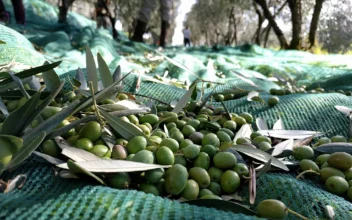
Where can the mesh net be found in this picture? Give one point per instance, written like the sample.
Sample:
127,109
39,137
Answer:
45,195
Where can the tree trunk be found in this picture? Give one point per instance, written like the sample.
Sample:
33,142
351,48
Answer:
112,20
63,9
267,35
273,24
260,22
314,23
296,17
235,31
228,37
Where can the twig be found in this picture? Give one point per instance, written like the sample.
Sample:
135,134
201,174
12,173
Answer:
95,104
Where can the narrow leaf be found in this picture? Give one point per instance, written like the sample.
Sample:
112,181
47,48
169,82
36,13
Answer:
107,91
184,100
77,154
250,82
173,103
166,131
16,94
252,185
36,113
48,158
122,105
82,80
104,71
251,95
51,123
13,85
244,132
31,72
91,69
222,205
280,147
265,168
279,125
334,147
345,110
79,171
51,79
261,124
290,134
14,123
19,85
26,150
129,112
117,76
34,84
114,166
108,140
260,155
125,129
3,108
305,141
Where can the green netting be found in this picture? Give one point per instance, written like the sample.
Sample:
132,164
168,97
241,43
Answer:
48,196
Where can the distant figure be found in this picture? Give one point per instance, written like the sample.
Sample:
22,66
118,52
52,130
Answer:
186,37
100,14
148,6
19,11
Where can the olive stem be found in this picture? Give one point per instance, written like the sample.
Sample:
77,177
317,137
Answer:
296,214
307,171
95,104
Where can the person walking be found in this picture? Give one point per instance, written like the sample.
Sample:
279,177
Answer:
148,6
186,37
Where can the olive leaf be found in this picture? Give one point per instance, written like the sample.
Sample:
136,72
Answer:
129,112
79,171
334,147
19,85
48,158
305,141
261,124
91,69
14,123
264,168
108,140
290,134
108,91
184,99
173,103
123,105
117,76
125,129
114,166
104,71
34,83
13,85
260,155
77,154
16,94
26,151
166,131
250,82
279,125
222,205
51,79
3,108
31,72
251,95
345,110
244,132
280,147
81,79
252,185
51,123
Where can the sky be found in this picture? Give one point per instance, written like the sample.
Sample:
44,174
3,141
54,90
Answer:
184,8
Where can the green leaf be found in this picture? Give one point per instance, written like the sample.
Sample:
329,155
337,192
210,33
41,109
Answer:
17,94
79,171
125,129
290,134
280,147
334,147
105,74
51,79
14,123
259,155
3,108
26,150
19,85
222,205
91,69
261,124
117,76
82,80
114,166
51,123
184,99
48,158
103,93
31,72
244,132
13,85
